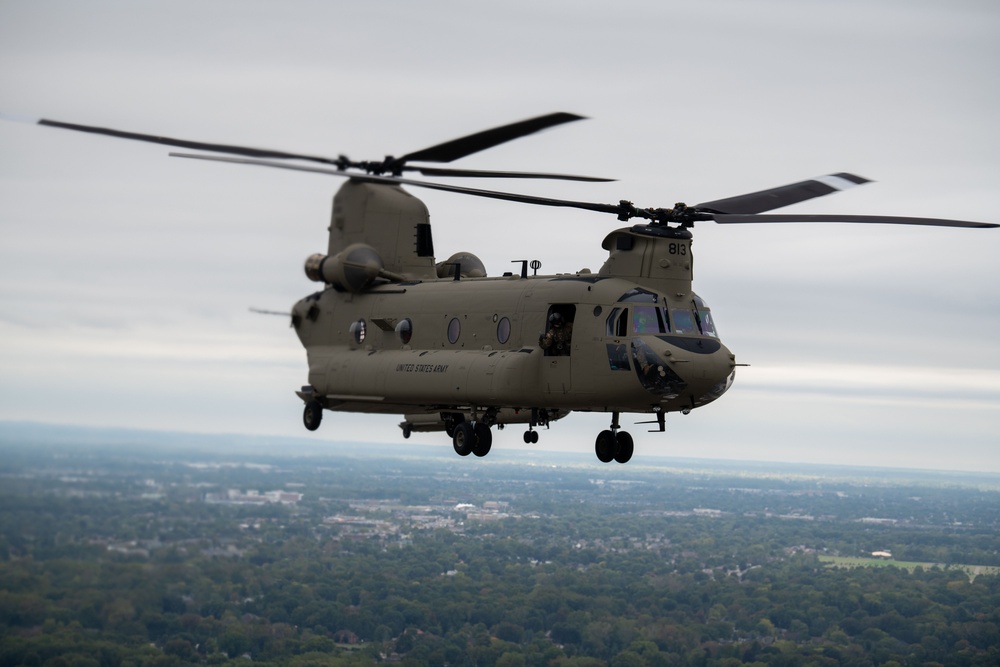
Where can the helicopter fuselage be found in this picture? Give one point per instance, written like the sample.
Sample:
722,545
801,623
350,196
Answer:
468,347
473,344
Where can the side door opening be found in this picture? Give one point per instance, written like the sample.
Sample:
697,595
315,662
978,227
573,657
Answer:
557,341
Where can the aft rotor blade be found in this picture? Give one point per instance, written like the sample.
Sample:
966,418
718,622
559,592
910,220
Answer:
473,143
478,173
441,153
179,143
785,195
725,219
394,180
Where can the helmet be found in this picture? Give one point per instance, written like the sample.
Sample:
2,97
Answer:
555,320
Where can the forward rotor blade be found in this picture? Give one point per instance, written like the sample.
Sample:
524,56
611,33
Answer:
261,311
474,173
624,210
785,195
179,143
473,143
726,219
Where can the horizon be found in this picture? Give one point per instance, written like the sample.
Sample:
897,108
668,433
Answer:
250,444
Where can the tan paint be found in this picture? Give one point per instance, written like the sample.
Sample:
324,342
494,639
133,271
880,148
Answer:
478,371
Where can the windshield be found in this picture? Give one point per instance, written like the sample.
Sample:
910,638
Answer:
649,320
641,319
683,321
707,323
703,317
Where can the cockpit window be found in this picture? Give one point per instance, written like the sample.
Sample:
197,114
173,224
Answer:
703,317
639,295
652,320
706,323
649,320
617,322
683,321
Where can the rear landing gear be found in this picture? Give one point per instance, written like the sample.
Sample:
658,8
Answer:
614,444
312,415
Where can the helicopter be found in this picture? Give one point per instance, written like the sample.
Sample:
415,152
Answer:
392,330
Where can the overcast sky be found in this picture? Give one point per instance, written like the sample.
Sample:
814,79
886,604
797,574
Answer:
126,276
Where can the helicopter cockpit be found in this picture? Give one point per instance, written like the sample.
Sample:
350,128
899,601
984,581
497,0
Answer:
654,327
650,316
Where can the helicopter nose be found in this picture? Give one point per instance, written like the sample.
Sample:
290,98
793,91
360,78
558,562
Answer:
691,371
719,375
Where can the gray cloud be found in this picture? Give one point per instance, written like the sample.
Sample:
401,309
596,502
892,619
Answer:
125,276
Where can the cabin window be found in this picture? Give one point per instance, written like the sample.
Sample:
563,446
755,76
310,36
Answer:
358,331
503,330
405,331
454,330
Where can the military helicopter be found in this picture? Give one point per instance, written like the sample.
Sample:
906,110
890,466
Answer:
450,348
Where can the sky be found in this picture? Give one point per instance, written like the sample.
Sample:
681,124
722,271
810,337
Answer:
126,276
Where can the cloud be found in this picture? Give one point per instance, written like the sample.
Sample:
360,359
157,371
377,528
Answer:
125,275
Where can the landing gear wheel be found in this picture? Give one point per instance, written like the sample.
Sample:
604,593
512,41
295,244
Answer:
407,430
605,447
464,438
484,439
531,437
312,415
625,447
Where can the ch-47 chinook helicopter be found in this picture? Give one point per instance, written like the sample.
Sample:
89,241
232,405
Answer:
452,349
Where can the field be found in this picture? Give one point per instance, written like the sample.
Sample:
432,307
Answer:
972,571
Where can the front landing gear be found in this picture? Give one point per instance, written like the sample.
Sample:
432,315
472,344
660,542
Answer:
539,417
484,440
614,444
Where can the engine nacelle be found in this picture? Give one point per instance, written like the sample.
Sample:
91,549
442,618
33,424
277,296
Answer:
469,265
352,269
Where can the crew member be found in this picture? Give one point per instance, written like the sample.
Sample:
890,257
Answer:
557,339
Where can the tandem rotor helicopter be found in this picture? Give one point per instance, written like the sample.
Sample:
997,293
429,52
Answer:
392,330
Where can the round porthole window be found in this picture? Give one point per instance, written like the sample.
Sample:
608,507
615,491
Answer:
503,331
454,330
358,330
405,331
